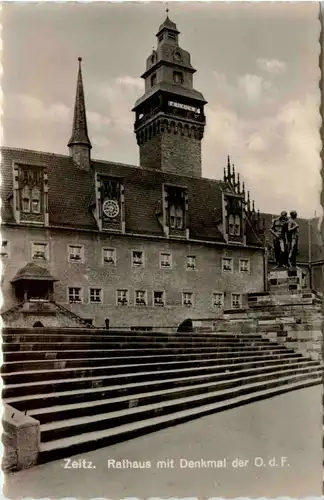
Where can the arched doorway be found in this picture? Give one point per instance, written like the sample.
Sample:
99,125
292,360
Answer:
38,324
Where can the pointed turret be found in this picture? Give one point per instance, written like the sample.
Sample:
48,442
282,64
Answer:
79,144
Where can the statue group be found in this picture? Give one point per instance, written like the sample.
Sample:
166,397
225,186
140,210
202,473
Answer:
285,239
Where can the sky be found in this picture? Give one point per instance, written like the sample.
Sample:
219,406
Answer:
257,66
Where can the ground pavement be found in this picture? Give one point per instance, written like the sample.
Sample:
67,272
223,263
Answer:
286,427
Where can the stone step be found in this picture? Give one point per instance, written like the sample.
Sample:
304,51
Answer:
34,401
171,413
132,353
56,384
122,400
43,364
61,372
39,346
120,412
110,339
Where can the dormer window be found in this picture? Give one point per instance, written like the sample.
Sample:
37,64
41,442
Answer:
176,217
25,199
176,209
231,225
177,77
237,225
35,200
30,201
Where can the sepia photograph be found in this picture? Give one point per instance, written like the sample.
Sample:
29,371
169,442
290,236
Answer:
162,258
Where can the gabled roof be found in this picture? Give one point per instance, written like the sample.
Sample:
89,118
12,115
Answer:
71,194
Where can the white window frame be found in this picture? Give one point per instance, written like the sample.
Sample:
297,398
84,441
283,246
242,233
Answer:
2,249
100,295
220,307
162,304
75,288
240,300
191,268
142,263
74,245
144,292
245,271
127,296
161,260
232,265
46,251
185,302
113,251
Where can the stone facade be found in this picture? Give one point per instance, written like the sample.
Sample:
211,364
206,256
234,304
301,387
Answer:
207,277
172,151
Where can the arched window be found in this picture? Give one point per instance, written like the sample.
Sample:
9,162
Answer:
25,199
231,225
237,228
38,324
35,201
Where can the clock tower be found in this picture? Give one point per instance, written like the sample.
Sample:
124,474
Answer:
170,120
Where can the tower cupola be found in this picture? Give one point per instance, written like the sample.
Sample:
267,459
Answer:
170,119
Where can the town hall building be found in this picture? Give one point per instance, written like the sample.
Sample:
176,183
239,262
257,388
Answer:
103,243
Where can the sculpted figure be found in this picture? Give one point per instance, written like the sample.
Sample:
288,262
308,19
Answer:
280,242
292,237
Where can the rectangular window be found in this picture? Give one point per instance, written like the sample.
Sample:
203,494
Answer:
39,251
191,262
236,301
244,265
122,297
95,295
165,260
4,248
75,253
187,299
171,36
177,77
137,258
74,294
227,264
218,300
158,298
140,298
109,256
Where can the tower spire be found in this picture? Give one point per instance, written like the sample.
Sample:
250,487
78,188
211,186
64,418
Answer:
79,144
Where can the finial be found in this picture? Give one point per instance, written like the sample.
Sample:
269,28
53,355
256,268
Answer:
224,174
253,207
243,189
79,59
238,184
228,168
248,201
167,8
233,176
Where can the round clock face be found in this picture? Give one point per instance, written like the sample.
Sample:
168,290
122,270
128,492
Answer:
110,208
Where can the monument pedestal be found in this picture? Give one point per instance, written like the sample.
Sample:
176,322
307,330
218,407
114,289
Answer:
283,280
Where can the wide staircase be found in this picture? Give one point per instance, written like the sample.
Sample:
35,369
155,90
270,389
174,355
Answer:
90,388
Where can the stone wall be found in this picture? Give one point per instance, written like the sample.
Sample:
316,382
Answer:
207,278
172,152
21,439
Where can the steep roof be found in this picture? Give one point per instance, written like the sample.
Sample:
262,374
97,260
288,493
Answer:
80,128
71,194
